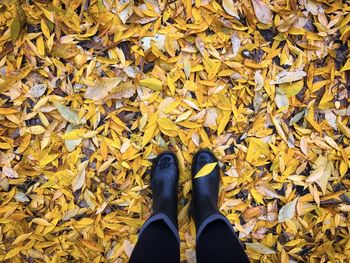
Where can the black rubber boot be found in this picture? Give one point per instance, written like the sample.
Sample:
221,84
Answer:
164,184
211,225
205,189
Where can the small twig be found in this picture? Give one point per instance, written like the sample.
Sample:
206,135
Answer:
113,45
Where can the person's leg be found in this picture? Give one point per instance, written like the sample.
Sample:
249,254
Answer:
156,244
218,243
159,238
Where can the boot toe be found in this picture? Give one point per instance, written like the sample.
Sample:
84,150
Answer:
165,163
166,158
202,158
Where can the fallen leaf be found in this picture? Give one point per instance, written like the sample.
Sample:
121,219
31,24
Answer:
68,114
79,180
9,172
287,211
152,83
259,248
288,76
37,90
262,12
15,29
205,170
230,8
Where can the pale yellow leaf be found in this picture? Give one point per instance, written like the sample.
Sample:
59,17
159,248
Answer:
41,222
152,83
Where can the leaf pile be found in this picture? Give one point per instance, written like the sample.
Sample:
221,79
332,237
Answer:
92,90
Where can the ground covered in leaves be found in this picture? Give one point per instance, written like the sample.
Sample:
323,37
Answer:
92,90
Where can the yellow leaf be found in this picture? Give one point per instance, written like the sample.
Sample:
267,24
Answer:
187,67
322,170
148,134
343,128
331,142
125,165
310,117
21,238
304,145
343,168
224,120
40,45
183,116
279,128
152,83
5,145
37,129
64,51
287,211
260,248
166,124
41,222
257,196
230,8
292,89
7,111
104,149
45,29
205,170
91,245
190,125
13,252
170,46
24,143
105,165
79,180
346,66
48,159
171,85
85,221
74,134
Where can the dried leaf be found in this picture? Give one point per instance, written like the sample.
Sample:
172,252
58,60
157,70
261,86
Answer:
103,89
9,172
288,76
79,180
287,211
259,248
262,11
37,90
68,114
230,8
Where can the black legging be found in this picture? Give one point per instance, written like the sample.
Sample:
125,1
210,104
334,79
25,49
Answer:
217,243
